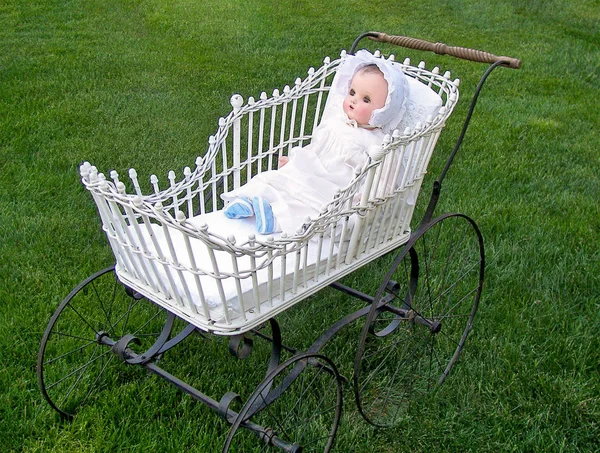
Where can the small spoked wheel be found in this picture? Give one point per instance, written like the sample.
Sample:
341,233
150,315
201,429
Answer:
296,408
75,350
420,318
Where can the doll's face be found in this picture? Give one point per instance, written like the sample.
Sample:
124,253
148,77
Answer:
368,92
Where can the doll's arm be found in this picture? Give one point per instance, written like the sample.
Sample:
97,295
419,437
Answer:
283,160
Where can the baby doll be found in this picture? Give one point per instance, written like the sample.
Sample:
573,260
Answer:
281,200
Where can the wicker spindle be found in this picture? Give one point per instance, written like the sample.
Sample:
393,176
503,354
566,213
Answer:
200,184
388,216
250,138
214,187
328,266
326,63
436,72
158,256
261,133
140,240
305,103
319,251
304,250
113,229
225,170
444,83
282,125
272,130
293,116
171,176
297,261
253,272
115,177
343,238
127,237
154,182
375,154
236,102
177,267
270,242
236,278
283,267
188,199
134,179
217,276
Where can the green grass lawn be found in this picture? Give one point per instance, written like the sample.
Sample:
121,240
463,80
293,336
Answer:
142,84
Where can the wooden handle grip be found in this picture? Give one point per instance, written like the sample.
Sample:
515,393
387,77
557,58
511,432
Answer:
442,49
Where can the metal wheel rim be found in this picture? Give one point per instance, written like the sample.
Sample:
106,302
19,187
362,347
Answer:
86,376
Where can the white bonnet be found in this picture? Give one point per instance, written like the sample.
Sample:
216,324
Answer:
389,116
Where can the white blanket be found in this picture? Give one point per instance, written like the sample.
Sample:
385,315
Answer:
183,283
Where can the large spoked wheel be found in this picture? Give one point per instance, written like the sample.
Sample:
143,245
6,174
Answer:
296,408
420,318
76,347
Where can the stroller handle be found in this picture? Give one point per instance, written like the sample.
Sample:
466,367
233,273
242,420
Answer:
442,49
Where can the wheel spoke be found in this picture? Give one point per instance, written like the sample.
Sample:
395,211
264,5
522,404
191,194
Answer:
417,312
447,313
319,409
399,365
377,352
158,313
442,277
62,356
275,417
81,371
85,321
100,373
458,280
372,374
100,302
437,279
132,303
304,388
81,368
450,257
76,337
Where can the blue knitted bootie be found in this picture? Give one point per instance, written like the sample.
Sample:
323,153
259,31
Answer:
239,208
265,221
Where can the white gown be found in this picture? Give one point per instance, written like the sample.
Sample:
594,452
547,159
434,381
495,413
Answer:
314,173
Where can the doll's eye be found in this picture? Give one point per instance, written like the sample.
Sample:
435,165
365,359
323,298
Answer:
352,93
367,100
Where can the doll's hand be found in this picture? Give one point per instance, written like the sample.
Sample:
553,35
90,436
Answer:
283,160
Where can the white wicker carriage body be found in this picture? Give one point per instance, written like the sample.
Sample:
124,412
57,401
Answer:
175,247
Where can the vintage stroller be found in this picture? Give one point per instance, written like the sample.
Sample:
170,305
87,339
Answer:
182,268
